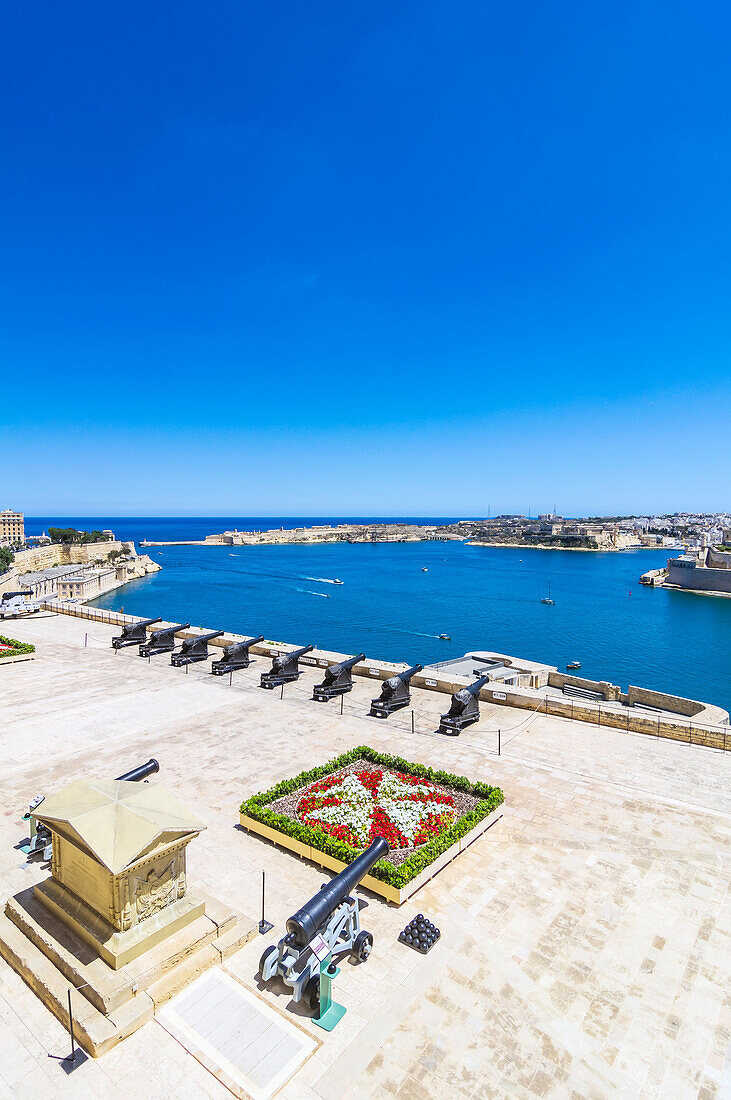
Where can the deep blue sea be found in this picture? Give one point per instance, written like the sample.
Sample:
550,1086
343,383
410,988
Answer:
485,598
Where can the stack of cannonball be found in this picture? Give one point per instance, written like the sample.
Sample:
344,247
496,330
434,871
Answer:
420,934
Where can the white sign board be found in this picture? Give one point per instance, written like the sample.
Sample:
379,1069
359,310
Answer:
499,695
320,948
430,683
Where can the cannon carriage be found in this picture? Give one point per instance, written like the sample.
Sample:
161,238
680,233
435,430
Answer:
193,649
134,633
464,709
235,656
338,680
395,693
162,641
285,668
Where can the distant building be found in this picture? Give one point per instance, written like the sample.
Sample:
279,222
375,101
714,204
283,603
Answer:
86,584
12,528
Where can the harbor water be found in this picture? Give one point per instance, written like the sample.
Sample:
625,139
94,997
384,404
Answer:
397,598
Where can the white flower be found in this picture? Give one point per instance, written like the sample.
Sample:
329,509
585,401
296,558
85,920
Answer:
356,805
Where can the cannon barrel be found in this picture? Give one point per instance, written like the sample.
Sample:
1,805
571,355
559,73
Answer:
142,622
239,647
284,658
202,638
140,772
156,634
335,670
473,689
307,921
391,684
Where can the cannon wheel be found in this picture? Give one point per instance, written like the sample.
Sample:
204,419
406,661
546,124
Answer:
312,993
362,946
270,951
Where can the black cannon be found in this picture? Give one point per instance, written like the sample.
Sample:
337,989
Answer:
194,649
133,633
464,710
332,914
162,641
338,680
235,656
40,835
395,693
140,772
285,668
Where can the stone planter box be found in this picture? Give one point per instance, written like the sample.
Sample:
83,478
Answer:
391,893
17,657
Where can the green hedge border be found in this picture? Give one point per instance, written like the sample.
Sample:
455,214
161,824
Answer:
257,807
17,647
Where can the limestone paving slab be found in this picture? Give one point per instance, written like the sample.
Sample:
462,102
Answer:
585,937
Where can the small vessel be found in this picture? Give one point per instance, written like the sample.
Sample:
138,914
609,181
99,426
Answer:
424,569
446,637
574,664
336,580
547,599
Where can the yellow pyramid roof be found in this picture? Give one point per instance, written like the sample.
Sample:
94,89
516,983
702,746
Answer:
117,820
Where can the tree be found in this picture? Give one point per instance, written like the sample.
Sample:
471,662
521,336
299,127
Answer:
7,557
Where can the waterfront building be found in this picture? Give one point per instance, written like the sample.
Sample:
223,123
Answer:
12,528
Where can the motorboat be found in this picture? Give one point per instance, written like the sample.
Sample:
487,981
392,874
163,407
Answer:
445,637
573,664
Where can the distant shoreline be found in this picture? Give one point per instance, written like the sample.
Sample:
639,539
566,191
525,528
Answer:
546,546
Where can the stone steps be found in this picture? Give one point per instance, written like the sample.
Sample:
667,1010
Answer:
94,1030
107,989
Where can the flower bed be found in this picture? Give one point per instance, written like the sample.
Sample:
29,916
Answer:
11,647
338,808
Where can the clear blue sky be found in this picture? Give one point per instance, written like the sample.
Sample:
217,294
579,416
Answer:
385,258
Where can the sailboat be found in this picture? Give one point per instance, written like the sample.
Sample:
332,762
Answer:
547,599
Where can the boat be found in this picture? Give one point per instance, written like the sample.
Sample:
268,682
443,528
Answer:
547,599
424,569
336,580
446,637
574,664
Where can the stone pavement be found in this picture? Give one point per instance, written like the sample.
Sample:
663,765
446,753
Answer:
585,937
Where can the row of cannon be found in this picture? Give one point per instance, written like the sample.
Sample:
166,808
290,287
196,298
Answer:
337,681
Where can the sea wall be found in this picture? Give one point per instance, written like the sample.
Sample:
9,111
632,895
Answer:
699,580
709,727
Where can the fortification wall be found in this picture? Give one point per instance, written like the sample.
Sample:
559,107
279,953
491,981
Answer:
43,557
699,580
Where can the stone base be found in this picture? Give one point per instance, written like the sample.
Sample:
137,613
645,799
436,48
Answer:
110,1004
117,948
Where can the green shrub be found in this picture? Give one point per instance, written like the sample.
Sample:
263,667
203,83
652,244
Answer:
16,647
257,807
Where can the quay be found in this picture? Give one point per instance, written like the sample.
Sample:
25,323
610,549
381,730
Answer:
583,945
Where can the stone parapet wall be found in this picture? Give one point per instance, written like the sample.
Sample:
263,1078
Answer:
603,687
714,731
